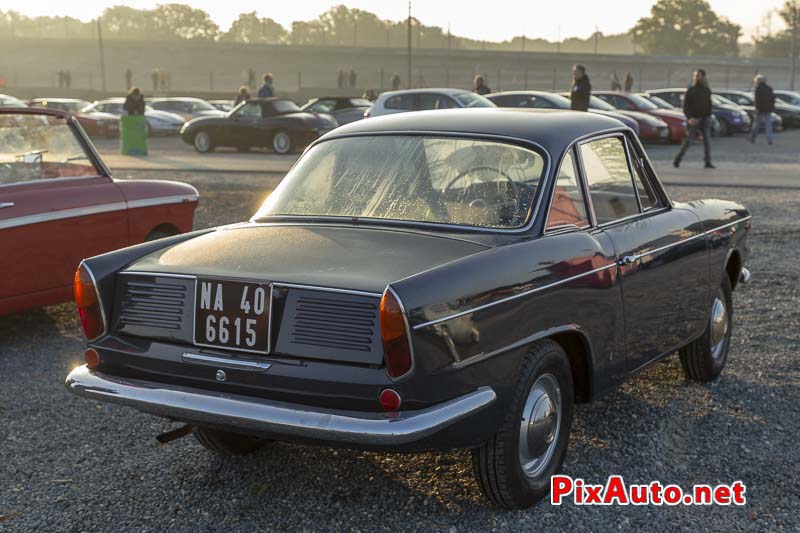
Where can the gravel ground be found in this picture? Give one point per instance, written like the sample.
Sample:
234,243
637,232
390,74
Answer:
76,465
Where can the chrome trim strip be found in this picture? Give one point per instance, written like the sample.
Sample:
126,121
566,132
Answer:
328,289
566,280
158,274
226,362
53,180
99,300
267,417
148,202
514,297
62,214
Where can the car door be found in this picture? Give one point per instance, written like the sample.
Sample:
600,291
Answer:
53,212
661,249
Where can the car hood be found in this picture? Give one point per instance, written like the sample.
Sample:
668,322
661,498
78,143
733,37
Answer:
668,114
356,258
210,113
640,117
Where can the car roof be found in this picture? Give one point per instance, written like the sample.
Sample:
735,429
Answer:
441,90
175,99
553,129
522,92
65,100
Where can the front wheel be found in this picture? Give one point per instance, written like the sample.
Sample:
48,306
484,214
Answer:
282,142
514,467
202,142
226,443
704,359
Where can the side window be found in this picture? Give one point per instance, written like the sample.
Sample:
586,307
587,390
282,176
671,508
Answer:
250,109
647,196
621,103
434,101
609,179
568,206
401,101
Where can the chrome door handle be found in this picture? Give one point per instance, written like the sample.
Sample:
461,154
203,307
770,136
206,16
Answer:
627,260
6,204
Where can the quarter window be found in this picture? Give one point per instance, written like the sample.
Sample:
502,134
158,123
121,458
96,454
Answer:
568,206
609,179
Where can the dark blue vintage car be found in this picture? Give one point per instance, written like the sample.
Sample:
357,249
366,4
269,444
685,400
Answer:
429,280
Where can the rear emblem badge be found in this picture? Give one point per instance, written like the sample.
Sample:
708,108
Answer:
221,375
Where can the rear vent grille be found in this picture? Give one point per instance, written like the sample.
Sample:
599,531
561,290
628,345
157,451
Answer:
155,305
334,323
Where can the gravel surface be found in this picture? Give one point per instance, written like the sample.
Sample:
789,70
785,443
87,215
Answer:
70,464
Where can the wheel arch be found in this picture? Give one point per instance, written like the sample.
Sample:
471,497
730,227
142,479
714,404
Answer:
165,229
576,344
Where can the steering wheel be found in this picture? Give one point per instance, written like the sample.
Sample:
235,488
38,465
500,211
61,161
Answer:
478,202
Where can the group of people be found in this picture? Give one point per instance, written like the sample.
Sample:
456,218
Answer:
265,91
64,79
346,79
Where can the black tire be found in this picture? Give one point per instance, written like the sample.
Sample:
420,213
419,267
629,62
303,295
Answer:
282,142
226,443
704,358
497,464
202,142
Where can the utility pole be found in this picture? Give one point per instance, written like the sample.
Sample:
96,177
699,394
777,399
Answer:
792,9
102,56
596,37
408,80
558,43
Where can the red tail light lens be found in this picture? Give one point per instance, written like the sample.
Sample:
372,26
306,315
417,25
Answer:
396,351
89,306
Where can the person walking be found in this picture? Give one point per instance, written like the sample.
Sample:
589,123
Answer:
134,102
697,108
615,84
128,78
266,90
581,90
765,105
352,78
628,82
154,76
479,85
243,96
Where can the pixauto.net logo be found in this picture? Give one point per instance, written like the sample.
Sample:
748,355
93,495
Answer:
616,492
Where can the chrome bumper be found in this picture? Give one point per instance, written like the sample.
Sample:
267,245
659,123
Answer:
255,415
744,276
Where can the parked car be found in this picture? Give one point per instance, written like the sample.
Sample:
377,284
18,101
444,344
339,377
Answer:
11,101
407,100
158,122
59,204
732,117
344,109
790,114
423,281
222,105
651,128
95,123
260,122
188,108
663,104
675,120
790,97
545,100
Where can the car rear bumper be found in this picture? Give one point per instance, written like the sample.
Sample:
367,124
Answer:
272,418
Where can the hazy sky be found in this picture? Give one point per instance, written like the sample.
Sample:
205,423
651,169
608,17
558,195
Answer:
495,20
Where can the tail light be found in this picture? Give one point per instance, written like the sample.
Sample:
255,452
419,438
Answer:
89,306
396,351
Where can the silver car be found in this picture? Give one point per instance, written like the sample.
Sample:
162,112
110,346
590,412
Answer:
158,122
425,99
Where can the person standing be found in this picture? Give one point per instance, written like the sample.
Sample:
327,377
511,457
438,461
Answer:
581,90
266,90
615,84
765,105
697,108
134,102
479,85
154,78
396,82
628,82
128,78
243,96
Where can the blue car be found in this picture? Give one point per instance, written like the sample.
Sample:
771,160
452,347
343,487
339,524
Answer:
732,118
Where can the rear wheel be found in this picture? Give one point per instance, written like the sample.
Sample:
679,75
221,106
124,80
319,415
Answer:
514,467
202,142
226,443
704,359
282,142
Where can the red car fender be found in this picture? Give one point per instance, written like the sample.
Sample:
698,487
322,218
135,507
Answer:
158,206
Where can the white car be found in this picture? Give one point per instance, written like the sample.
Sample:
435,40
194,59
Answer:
158,122
424,99
10,101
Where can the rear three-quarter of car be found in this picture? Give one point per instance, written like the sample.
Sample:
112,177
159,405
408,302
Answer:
428,281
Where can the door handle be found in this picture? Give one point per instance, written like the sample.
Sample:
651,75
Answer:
6,204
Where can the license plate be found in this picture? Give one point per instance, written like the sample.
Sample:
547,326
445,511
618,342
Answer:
232,314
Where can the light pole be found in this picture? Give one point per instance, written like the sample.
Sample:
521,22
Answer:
409,45
102,56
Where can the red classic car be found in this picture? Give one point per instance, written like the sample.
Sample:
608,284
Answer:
633,102
59,204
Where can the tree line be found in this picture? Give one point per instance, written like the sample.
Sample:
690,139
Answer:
674,27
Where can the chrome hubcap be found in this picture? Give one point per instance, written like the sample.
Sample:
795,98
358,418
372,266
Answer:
719,327
281,142
541,422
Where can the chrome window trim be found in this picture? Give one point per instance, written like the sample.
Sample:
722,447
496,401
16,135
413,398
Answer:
533,211
567,280
408,336
99,300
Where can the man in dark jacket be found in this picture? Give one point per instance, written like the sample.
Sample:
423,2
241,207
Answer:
134,102
765,105
581,89
697,108
266,90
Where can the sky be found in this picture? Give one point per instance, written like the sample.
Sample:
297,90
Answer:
469,18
